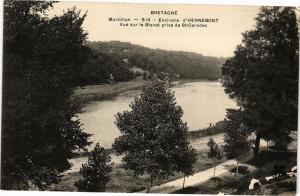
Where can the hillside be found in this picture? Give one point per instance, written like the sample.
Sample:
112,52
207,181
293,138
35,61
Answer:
187,65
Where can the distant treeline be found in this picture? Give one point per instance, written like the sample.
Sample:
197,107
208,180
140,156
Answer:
114,59
104,68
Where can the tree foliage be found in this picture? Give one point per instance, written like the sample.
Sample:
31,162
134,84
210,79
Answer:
154,138
263,74
95,173
39,132
100,66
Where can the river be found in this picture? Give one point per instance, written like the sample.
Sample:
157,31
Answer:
203,103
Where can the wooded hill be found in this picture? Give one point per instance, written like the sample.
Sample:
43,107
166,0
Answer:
187,65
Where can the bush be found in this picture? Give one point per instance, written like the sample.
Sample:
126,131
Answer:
242,170
138,74
265,157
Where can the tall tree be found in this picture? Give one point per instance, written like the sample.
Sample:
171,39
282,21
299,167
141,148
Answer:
236,136
95,173
154,138
263,75
39,131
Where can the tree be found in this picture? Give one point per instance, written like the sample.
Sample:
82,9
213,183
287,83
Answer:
39,131
214,152
263,75
154,138
236,136
95,173
185,159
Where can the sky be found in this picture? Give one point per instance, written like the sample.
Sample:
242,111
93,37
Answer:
217,39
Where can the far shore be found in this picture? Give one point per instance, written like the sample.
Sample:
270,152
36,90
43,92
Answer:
98,92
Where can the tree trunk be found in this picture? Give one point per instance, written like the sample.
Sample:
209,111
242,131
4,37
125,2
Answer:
237,165
150,184
256,147
215,169
183,181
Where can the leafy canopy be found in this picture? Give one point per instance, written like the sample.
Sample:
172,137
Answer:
263,74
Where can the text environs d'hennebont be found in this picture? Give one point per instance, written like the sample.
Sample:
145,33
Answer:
203,20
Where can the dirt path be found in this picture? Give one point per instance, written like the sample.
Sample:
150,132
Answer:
197,178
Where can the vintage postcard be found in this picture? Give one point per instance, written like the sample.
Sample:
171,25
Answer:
149,98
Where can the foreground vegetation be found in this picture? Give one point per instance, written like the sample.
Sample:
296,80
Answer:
122,180
238,184
42,59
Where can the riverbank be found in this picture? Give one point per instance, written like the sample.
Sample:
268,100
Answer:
85,94
209,131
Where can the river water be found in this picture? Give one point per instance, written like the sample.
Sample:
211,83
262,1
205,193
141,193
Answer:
203,103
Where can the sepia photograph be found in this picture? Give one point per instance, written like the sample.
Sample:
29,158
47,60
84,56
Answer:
149,98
